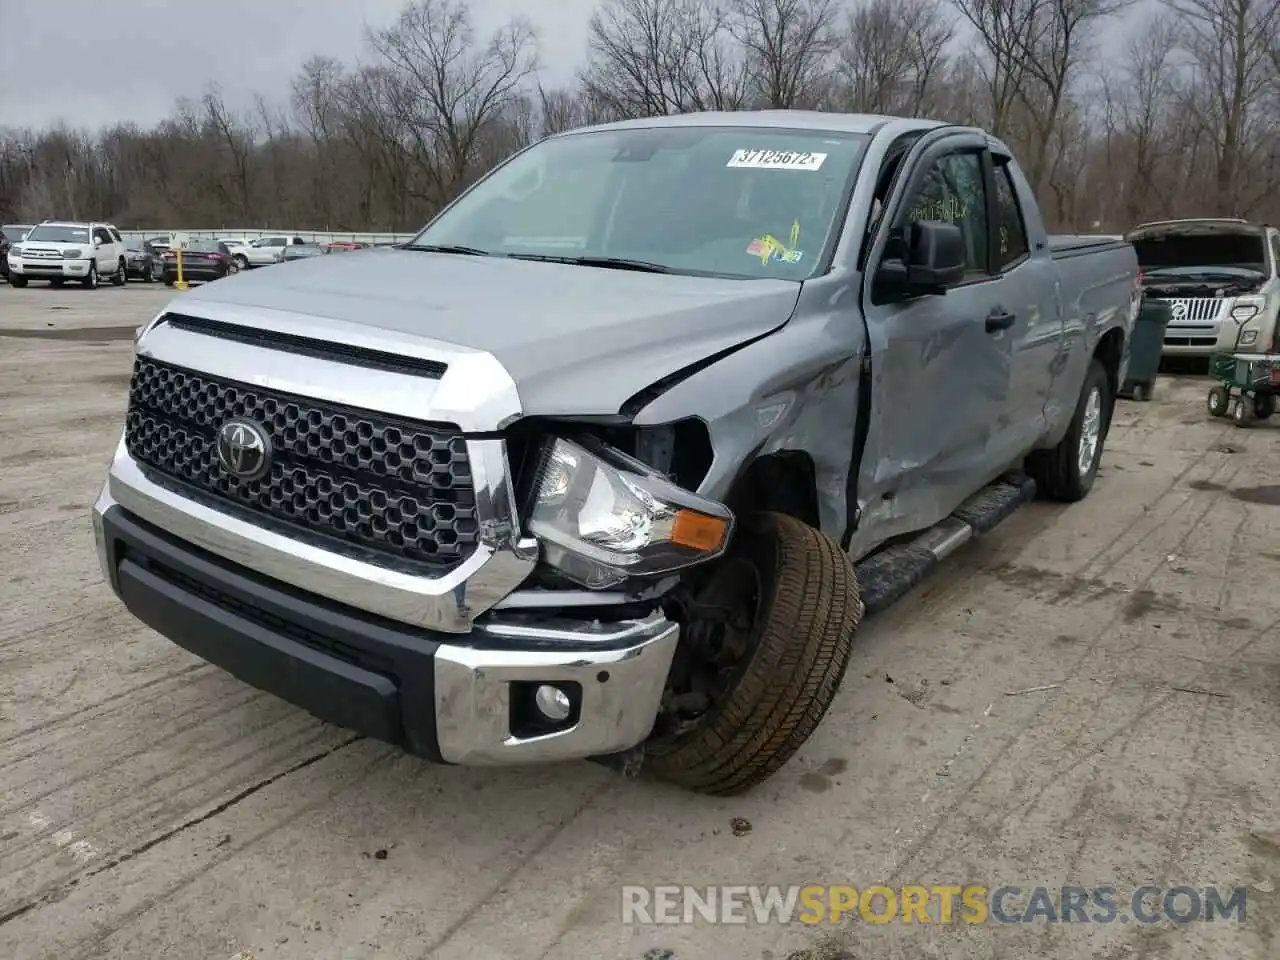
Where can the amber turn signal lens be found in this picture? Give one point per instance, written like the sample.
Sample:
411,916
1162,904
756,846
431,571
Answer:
697,531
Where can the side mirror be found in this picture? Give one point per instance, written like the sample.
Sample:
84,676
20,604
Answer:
934,260
97,241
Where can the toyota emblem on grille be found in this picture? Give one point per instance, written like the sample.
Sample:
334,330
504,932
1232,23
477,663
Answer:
1179,311
244,449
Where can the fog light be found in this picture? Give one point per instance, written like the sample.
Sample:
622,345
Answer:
552,702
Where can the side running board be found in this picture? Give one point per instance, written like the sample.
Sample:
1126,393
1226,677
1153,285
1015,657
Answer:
889,574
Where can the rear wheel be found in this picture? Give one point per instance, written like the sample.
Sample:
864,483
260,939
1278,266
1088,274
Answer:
1218,401
788,606
1242,412
1066,473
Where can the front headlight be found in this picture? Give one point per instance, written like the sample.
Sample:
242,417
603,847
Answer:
601,517
15,251
71,254
1244,311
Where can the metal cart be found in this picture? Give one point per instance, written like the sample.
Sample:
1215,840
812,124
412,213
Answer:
1247,385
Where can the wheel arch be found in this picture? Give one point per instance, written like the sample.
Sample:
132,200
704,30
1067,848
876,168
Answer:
1110,353
781,481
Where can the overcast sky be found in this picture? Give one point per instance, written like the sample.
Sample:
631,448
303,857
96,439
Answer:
66,62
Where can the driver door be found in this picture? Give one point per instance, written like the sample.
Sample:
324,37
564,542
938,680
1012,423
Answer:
941,376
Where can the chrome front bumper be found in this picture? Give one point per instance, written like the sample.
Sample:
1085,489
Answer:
442,696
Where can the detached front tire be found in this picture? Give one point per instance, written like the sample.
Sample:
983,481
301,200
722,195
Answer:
797,645
1066,473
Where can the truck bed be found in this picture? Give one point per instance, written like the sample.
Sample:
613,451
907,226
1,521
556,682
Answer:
1063,245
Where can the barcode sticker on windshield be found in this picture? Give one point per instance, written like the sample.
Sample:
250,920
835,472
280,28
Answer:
776,160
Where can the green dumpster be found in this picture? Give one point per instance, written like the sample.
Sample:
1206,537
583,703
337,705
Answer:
1145,346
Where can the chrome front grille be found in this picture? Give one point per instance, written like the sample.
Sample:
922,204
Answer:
1195,309
395,493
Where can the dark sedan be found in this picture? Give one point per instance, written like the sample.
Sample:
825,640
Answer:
202,260
143,262
10,234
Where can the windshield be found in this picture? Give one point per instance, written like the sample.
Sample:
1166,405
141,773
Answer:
720,201
1202,253
52,233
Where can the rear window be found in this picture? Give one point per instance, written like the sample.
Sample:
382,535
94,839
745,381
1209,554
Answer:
204,246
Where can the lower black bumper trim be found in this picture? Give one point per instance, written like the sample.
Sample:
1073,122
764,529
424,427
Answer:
354,672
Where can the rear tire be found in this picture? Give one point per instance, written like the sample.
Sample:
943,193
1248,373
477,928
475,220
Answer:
1061,473
1218,402
806,613
1242,412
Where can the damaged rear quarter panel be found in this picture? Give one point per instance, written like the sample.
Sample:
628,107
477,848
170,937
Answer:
795,389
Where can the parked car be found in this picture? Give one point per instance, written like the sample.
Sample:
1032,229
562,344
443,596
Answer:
1221,279
143,262
303,251
239,248
343,246
10,234
202,260
627,501
58,251
270,249
160,244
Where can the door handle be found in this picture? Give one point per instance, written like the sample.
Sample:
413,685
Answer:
999,319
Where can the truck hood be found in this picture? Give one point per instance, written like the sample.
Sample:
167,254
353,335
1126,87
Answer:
576,340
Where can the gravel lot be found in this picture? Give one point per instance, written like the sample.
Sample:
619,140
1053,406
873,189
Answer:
152,806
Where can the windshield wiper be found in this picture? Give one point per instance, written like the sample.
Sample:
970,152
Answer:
608,263
446,248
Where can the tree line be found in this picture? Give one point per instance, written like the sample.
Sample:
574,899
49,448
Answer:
1180,117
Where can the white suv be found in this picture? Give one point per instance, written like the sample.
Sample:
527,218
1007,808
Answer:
58,251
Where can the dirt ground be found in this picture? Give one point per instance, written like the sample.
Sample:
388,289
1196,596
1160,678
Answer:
151,806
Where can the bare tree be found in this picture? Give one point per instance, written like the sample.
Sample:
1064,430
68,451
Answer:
1137,114
787,46
445,87
890,54
1231,43
658,57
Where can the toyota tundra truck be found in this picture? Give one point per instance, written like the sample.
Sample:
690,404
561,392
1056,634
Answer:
611,460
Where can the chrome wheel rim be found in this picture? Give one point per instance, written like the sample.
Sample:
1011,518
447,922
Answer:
1090,431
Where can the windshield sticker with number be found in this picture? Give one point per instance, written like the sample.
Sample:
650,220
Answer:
776,160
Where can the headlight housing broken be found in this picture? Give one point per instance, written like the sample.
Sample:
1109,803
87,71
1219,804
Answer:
602,517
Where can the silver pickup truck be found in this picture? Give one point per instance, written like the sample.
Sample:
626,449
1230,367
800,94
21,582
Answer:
612,459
